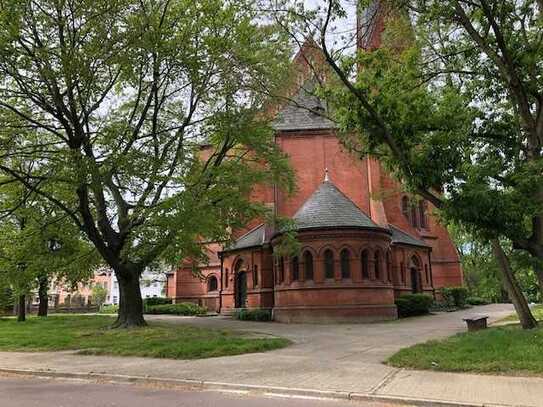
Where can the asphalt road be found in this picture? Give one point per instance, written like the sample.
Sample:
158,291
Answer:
37,392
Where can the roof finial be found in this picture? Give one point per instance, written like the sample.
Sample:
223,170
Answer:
326,177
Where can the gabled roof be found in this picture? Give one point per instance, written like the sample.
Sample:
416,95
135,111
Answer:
401,237
304,112
254,238
328,207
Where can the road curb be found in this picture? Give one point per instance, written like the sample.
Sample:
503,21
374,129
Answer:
190,384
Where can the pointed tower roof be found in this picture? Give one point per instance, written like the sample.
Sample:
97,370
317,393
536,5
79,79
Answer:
328,207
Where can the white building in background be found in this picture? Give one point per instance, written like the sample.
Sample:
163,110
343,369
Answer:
152,284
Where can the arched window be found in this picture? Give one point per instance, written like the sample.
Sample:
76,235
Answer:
377,265
308,265
405,206
345,257
281,276
365,259
328,264
255,275
402,273
226,278
414,216
294,264
389,266
212,284
422,214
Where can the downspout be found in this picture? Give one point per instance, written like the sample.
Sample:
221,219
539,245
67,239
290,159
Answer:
431,273
222,278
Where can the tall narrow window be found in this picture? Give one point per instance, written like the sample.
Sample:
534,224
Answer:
402,273
389,267
405,207
345,264
328,264
226,278
308,265
365,259
212,284
377,265
295,268
422,214
414,216
255,275
281,269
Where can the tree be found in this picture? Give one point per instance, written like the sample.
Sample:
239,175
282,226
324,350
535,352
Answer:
38,245
449,99
99,295
120,98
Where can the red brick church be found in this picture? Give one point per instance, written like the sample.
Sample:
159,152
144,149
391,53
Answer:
363,241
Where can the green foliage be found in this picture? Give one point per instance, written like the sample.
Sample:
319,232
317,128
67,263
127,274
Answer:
253,315
109,309
481,273
413,304
147,302
506,350
157,119
476,301
91,335
454,296
185,308
99,295
7,300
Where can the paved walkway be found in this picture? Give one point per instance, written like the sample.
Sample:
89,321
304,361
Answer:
342,358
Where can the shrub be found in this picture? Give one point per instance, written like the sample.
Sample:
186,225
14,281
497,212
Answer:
253,315
413,304
109,309
149,302
455,296
477,301
185,308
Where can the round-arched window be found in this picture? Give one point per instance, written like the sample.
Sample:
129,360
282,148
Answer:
212,283
345,257
328,264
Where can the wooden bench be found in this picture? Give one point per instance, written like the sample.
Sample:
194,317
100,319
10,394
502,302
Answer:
476,322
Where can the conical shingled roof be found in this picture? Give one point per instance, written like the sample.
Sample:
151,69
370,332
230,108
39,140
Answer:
328,207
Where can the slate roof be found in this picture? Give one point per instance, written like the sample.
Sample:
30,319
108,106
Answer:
255,237
328,207
401,237
304,112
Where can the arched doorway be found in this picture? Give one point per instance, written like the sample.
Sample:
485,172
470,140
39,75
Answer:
240,288
415,268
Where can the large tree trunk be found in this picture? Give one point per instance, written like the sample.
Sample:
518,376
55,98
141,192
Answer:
21,308
43,295
130,301
512,287
538,270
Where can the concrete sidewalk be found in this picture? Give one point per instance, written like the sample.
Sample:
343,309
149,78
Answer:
341,361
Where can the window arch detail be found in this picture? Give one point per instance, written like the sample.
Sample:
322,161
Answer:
212,283
345,260
295,268
308,265
365,262
328,264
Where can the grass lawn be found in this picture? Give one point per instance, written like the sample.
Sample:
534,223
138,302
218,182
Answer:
91,336
537,311
500,350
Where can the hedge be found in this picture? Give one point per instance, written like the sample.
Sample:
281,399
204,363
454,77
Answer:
185,308
254,315
477,301
148,302
413,304
455,296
